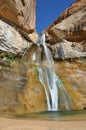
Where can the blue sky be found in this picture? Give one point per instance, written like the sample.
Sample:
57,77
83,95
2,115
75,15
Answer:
48,10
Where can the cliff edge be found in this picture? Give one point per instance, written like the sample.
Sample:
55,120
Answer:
66,36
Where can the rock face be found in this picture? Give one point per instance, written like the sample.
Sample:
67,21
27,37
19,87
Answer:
71,26
17,35
68,50
11,41
17,26
34,94
19,12
12,81
73,75
20,89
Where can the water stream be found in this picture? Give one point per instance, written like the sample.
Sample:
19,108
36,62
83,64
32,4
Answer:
29,87
51,90
41,85
52,84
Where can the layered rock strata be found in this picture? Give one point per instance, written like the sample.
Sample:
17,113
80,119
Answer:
20,89
17,26
71,26
11,41
19,12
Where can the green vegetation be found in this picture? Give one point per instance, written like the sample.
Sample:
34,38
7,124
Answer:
4,56
36,68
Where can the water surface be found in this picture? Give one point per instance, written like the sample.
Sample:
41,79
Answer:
55,116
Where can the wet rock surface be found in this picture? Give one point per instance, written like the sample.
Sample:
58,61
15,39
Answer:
21,90
73,75
12,81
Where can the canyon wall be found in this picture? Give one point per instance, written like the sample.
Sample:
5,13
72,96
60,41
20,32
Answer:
66,36
20,88
19,12
17,35
17,26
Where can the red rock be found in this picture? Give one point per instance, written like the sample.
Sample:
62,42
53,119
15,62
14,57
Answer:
19,12
70,25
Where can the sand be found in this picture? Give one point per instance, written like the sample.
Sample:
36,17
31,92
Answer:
17,124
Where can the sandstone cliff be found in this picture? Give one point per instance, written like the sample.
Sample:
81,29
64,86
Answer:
71,26
17,26
11,41
19,12
20,88
17,35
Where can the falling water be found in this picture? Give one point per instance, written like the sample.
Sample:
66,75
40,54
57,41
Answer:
50,81
51,78
34,56
43,83
48,54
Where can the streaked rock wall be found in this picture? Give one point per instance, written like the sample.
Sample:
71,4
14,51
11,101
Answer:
19,12
71,26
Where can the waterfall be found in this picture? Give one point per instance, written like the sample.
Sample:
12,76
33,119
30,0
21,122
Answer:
43,83
48,55
50,84
49,80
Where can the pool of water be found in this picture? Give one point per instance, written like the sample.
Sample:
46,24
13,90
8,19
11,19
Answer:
57,116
